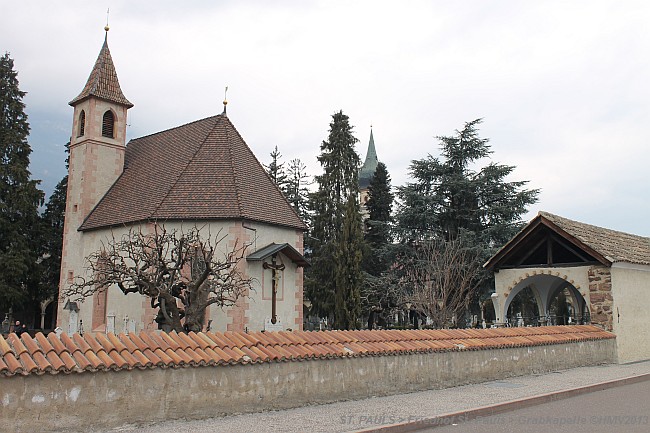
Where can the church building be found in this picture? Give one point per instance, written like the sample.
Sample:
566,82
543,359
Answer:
201,174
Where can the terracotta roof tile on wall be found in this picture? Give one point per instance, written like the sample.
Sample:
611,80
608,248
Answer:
200,171
100,352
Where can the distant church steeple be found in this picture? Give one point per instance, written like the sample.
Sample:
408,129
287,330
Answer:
366,173
370,165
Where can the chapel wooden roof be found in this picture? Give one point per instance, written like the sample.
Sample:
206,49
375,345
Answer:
584,242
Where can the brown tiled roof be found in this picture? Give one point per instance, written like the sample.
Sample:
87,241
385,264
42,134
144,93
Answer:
199,171
102,82
93,352
615,246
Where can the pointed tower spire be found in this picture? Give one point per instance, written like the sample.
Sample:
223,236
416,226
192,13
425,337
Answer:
370,164
103,82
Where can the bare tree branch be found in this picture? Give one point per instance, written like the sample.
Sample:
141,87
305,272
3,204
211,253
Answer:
159,265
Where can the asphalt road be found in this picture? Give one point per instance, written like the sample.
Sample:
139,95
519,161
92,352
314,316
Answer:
621,409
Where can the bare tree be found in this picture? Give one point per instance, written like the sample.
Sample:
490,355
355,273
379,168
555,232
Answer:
182,273
441,279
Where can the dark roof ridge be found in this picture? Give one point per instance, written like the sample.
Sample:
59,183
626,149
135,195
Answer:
232,166
266,173
189,162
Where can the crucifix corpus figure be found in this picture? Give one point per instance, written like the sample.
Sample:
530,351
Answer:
275,268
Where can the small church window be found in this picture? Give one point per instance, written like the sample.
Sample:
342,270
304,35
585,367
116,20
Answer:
108,124
82,123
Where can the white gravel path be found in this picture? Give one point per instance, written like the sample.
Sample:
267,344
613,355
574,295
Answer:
354,415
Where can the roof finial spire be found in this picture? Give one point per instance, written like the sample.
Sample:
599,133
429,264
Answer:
225,100
106,28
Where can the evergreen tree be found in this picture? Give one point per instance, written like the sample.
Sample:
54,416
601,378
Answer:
456,208
52,239
338,182
378,225
297,191
449,197
340,164
347,266
19,196
276,170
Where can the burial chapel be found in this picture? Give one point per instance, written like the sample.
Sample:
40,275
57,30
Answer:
201,174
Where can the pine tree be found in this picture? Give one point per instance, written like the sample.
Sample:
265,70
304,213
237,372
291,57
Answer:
19,196
338,182
348,275
297,188
276,170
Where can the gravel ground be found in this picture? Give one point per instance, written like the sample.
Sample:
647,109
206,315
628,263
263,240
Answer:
373,412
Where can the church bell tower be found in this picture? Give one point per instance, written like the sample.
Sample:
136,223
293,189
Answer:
97,148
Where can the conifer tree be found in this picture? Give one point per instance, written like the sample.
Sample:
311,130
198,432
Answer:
349,277
339,181
449,197
297,188
19,196
378,225
275,169
51,244
453,207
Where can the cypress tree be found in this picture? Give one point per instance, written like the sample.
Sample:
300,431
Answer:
347,267
19,196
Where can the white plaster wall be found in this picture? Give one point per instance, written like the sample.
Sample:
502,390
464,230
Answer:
131,306
631,293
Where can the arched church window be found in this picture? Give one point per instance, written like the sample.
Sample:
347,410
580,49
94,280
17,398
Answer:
108,124
82,123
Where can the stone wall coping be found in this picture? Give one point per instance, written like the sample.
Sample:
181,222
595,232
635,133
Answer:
90,352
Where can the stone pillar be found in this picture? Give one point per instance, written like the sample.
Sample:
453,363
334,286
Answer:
600,296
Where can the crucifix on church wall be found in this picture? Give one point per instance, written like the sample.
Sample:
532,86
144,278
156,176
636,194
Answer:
275,279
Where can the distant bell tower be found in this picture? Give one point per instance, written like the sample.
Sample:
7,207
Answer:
97,148
365,175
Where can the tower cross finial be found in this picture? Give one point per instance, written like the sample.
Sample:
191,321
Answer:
106,28
225,99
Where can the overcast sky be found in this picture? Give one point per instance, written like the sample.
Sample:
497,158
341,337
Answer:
563,86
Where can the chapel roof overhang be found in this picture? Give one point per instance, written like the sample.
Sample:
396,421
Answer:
285,248
102,82
583,243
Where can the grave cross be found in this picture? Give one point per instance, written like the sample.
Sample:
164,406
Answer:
274,267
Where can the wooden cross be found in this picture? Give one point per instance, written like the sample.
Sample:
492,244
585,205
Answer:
274,267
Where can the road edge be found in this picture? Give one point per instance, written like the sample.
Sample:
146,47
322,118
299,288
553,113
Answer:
495,409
